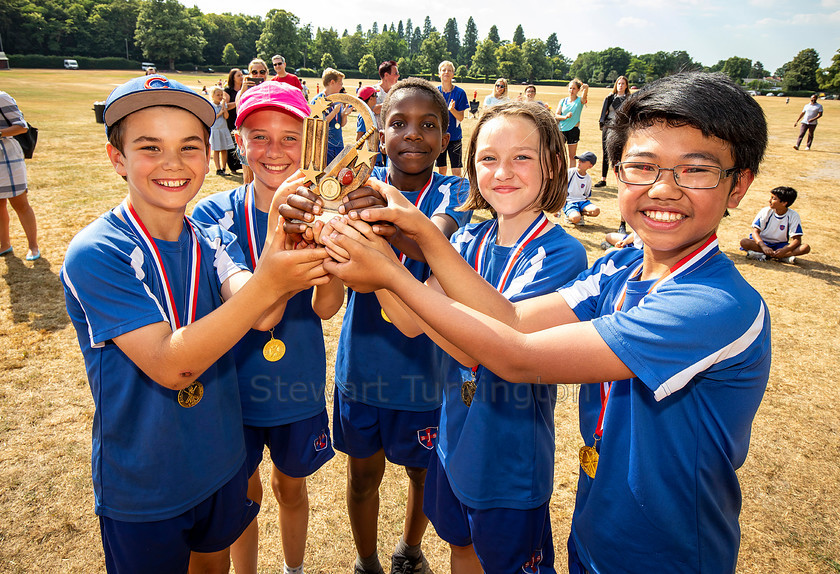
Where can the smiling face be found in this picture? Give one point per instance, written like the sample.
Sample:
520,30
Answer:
573,90
413,137
272,143
164,159
671,220
508,167
500,88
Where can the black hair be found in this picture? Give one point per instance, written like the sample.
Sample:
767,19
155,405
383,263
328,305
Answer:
709,102
386,67
418,85
786,195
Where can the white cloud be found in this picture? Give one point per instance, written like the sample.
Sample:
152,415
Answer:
631,22
830,3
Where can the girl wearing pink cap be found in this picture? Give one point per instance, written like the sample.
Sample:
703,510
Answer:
281,372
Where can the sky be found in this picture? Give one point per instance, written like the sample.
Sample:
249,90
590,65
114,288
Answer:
770,31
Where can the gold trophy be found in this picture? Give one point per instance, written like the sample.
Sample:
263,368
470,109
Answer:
349,169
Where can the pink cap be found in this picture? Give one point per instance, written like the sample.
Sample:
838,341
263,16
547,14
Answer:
366,92
276,95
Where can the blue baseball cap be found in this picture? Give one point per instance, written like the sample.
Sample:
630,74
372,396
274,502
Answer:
157,90
588,156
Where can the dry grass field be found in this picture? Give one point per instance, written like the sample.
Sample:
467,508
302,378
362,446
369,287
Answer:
791,480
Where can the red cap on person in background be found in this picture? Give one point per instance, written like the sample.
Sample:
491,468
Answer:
366,93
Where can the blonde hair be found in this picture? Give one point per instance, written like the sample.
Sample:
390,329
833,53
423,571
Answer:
504,93
257,61
552,151
217,89
331,75
446,63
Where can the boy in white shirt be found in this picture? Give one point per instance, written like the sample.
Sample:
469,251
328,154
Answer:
777,230
580,189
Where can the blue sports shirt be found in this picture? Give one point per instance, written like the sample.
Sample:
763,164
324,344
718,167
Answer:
376,364
152,459
665,497
510,425
291,389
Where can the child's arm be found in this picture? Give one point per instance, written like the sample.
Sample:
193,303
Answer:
345,111
584,94
327,299
571,353
788,249
176,359
756,233
402,317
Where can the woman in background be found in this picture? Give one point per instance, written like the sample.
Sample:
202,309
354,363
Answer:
13,186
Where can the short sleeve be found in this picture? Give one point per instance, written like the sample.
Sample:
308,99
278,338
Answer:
586,293
11,111
454,192
658,340
795,224
105,284
461,102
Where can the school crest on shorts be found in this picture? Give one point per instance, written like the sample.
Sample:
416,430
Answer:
322,441
532,566
427,437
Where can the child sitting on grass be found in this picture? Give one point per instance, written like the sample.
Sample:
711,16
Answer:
777,230
580,190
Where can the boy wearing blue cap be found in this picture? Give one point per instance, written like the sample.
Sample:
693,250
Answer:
157,301
580,190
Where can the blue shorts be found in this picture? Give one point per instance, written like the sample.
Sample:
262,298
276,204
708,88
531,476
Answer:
164,546
359,430
526,533
771,244
297,449
576,206
575,564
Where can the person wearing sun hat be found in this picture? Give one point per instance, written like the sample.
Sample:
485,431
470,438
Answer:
158,300
290,417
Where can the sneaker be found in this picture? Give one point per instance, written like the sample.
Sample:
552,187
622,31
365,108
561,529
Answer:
605,245
796,147
788,259
622,228
808,148
359,570
220,172
404,565
757,255
601,183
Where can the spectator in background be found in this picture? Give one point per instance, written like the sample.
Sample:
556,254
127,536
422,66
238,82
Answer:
499,95
231,88
457,103
388,76
305,90
13,186
811,113
151,71
568,113
613,101
530,95
281,75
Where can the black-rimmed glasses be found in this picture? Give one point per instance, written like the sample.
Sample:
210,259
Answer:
688,176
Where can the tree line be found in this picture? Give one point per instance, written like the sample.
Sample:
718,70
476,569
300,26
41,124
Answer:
171,34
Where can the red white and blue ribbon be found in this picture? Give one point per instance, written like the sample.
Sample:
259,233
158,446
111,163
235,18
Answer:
690,262
251,223
417,203
534,229
136,224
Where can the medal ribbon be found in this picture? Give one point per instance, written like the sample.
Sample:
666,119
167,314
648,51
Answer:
690,262
136,224
251,223
534,229
417,202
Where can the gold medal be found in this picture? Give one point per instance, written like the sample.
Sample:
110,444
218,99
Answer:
385,316
191,396
468,389
274,349
589,460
